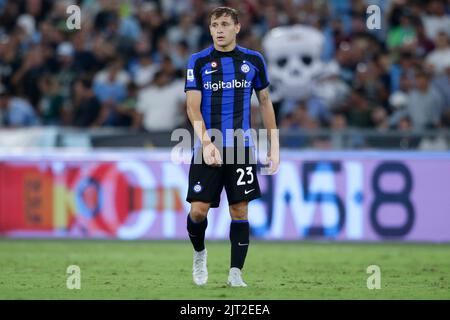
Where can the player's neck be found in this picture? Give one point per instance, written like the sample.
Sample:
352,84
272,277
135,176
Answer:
227,48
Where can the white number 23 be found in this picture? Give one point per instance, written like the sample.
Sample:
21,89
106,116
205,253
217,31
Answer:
241,176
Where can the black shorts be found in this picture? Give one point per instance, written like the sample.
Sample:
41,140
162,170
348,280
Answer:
238,177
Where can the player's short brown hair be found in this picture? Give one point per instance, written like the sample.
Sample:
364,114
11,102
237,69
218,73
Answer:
224,11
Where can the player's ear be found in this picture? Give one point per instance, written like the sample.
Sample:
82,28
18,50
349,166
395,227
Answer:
237,27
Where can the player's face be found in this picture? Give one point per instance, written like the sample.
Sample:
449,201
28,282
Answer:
223,31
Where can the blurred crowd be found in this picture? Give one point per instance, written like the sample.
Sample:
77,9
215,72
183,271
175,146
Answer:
125,66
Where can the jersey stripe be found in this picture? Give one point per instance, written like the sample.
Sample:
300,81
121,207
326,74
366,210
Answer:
261,79
227,98
247,109
238,101
206,98
206,102
216,99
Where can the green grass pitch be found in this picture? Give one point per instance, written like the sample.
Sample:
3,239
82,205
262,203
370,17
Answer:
36,269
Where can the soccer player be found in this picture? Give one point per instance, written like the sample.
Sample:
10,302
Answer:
219,84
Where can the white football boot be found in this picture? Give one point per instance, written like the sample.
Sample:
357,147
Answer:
235,278
199,270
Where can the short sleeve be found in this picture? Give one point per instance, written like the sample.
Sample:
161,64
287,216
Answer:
193,77
261,80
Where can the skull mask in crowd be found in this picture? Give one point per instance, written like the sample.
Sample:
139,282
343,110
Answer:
294,61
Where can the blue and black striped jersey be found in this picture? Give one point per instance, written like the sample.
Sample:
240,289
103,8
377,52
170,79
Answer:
226,80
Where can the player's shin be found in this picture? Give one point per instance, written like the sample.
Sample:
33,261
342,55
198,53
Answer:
240,240
196,231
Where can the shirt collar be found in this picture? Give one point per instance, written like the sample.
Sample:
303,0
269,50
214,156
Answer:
235,53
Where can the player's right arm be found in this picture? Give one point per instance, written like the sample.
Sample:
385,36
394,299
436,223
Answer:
193,89
211,154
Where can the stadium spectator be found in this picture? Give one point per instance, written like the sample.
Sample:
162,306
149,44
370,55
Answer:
143,70
87,109
110,87
423,44
296,118
160,105
423,107
167,66
404,124
110,84
84,61
16,111
185,30
179,55
154,22
399,99
358,109
369,79
9,61
129,28
127,110
436,19
66,73
442,84
338,124
403,34
27,76
439,58
380,119
120,42
406,66
52,102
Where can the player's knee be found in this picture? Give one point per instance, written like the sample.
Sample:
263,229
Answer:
239,211
239,216
197,215
198,212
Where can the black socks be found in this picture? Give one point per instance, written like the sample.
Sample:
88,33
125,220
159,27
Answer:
196,231
240,238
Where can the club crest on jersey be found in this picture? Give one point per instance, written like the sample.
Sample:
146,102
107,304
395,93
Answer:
198,187
214,64
245,68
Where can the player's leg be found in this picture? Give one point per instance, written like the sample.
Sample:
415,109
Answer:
197,223
240,240
241,184
196,227
205,186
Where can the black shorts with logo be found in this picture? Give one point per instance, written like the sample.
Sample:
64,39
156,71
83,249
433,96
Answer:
238,177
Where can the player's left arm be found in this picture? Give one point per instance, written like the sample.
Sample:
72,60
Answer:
268,115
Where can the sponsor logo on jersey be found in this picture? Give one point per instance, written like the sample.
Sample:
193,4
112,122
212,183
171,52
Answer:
235,84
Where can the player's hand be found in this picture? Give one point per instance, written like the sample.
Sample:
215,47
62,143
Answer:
273,158
211,155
